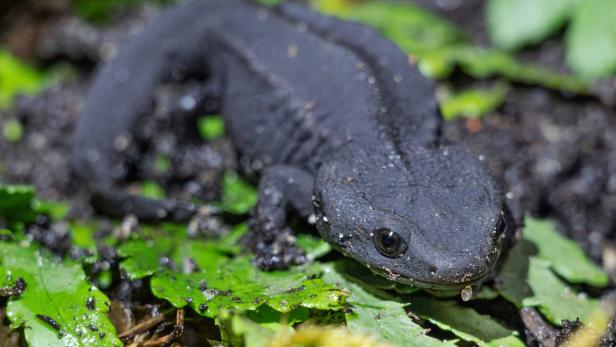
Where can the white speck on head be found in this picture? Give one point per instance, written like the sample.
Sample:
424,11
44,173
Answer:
292,51
371,80
509,195
325,219
446,152
397,78
482,157
340,235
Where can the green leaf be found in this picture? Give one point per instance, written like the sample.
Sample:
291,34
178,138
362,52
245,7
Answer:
267,316
528,281
315,247
554,298
59,307
15,78
514,23
17,203
465,323
439,47
473,103
377,314
238,285
514,273
238,196
144,257
162,164
12,130
55,209
230,243
217,283
101,11
591,39
211,127
152,190
414,29
566,258
241,331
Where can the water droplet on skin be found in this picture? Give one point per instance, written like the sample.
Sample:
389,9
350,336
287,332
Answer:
312,219
467,293
203,308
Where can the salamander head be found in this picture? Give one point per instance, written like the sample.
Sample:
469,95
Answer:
435,220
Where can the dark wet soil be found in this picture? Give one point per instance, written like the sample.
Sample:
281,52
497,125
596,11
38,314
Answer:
554,153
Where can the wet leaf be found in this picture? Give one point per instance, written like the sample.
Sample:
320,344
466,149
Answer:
554,299
58,307
514,23
238,196
241,331
591,39
414,29
56,210
465,323
528,281
211,127
15,78
101,11
439,47
377,314
151,189
200,274
12,130
472,103
313,246
17,203
238,285
566,258
144,257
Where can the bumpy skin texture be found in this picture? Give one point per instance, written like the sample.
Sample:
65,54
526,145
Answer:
339,123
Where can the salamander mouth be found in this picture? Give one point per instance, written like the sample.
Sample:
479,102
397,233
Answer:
442,285
437,286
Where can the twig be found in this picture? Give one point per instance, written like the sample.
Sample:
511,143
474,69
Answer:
542,331
141,327
178,330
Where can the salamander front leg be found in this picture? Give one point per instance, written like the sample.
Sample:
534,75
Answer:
281,188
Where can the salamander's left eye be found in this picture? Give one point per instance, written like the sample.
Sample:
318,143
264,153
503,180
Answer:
389,243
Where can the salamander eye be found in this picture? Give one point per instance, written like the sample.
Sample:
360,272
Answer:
389,243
